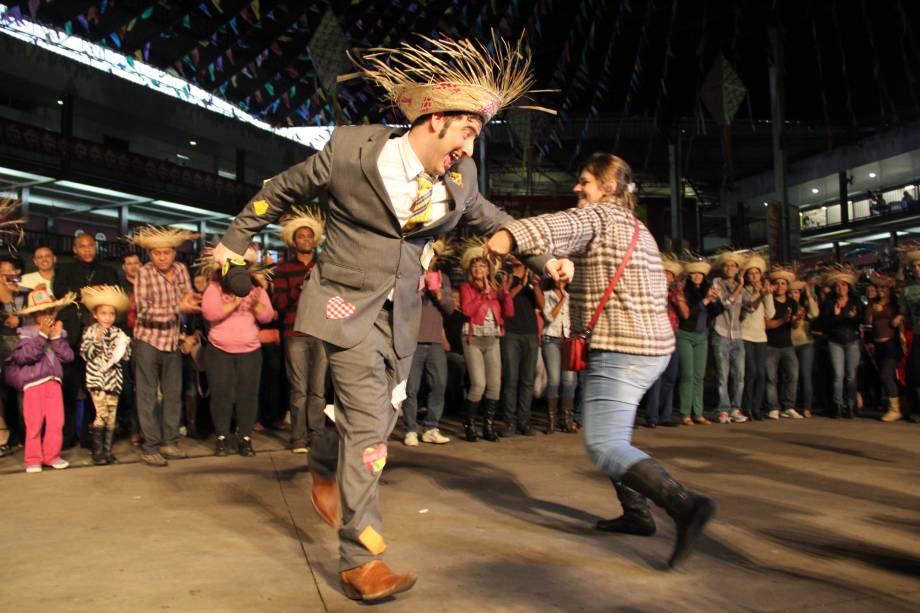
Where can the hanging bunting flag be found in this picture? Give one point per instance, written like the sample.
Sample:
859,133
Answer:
219,63
211,71
223,89
68,27
139,55
93,15
229,54
187,22
254,5
247,72
147,13
270,89
83,22
204,9
131,24
216,4
33,7
258,96
195,55
233,25
130,60
271,15
213,38
233,80
115,39
147,52
276,49
274,106
103,6
286,99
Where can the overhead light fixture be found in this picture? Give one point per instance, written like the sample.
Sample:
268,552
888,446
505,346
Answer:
823,208
872,175
183,157
193,142
60,102
814,190
766,204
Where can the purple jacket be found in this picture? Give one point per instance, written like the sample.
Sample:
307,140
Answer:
36,357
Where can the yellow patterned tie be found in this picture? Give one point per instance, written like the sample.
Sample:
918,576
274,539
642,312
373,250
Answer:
421,207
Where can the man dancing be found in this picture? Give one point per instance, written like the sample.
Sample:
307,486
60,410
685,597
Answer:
391,192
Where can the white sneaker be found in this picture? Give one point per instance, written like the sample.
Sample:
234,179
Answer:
774,414
183,431
738,417
435,437
724,418
60,464
34,468
411,439
791,413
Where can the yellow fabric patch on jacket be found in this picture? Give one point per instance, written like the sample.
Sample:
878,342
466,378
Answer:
372,541
260,207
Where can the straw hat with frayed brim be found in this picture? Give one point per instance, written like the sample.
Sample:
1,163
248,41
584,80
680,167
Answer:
700,266
781,273
738,257
880,280
672,264
474,249
153,237
40,300
205,264
93,296
450,75
797,285
836,274
755,261
303,217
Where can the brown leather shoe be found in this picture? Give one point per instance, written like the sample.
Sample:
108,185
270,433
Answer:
325,498
374,581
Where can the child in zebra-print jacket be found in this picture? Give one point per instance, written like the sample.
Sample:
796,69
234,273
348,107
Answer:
105,347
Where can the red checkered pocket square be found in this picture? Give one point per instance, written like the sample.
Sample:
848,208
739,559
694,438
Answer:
339,308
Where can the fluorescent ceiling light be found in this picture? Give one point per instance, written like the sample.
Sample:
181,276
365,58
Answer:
136,71
92,189
61,102
872,175
814,190
22,175
183,157
193,142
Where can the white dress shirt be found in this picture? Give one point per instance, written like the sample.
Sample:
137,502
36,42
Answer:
399,167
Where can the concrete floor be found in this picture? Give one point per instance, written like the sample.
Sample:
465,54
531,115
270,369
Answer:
813,514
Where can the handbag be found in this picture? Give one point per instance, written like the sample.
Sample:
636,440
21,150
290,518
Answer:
575,348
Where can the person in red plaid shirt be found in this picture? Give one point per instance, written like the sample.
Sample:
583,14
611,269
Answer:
304,356
161,291
632,342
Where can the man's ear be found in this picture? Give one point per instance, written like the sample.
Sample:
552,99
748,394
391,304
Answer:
436,122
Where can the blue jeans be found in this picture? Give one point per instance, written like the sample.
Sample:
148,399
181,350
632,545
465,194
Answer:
614,385
755,379
552,360
844,361
659,400
431,361
729,357
782,358
519,367
806,355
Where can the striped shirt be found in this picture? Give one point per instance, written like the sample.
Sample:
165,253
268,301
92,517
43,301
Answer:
157,300
596,237
103,371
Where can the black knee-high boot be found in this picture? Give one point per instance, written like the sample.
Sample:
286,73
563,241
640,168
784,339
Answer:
690,511
107,442
637,517
98,446
488,420
469,421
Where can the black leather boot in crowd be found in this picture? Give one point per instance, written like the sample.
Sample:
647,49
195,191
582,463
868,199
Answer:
690,511
488,420
221,448
637,517
244,447
107,442
568,424
98,449
469,421
552,407
838,411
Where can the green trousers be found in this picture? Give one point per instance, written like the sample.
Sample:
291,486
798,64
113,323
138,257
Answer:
693,348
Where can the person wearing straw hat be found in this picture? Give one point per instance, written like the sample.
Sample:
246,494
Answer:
161,292
909,301
804,343
659,400
758,301
727,344
304,357
781,356
693,339
36,367
841,317
882,314
104,349
391,193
